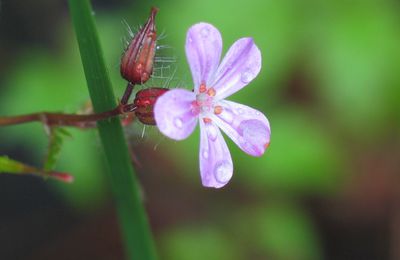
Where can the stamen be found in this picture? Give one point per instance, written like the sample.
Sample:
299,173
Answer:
217,110
207,120
202,88
211,92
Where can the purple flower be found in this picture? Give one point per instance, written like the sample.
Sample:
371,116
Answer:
176,112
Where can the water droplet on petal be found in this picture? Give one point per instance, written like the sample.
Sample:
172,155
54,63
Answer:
246,76
190,39
254,134
205,154
212,132
227,116
254,130
223,171
178,122
205,32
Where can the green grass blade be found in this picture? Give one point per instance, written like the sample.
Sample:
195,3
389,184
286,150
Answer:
131,214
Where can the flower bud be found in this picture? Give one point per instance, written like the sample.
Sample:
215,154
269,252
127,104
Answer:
138,58
144,103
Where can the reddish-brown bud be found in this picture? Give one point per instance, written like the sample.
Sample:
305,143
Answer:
137,61
144,103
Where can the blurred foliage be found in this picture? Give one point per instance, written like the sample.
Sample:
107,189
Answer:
42,83
206,242
283,232
345,101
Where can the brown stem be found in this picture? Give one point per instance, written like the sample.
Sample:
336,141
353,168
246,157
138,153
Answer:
127,93
61,119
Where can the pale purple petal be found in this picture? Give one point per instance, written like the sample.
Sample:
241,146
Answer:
216,167
241,64
247,127
173,113
203,52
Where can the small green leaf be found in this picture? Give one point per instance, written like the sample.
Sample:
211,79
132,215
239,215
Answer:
8,165
64,132
56,140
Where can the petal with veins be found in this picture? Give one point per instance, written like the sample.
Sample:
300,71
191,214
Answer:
241,64
247,127
173,113
203,52
216,167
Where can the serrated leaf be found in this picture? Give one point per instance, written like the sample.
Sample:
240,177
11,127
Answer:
56,140
64,132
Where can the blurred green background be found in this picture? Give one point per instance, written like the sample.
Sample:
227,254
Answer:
327,188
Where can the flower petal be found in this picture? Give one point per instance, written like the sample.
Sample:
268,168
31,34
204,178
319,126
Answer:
173,113
247,127
216,167
241,64
203,52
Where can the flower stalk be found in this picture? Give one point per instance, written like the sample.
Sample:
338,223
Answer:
142,109
61,119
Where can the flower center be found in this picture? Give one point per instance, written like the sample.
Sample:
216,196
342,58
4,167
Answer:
204,104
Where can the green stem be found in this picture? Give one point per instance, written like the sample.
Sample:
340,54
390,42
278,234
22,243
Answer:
132,217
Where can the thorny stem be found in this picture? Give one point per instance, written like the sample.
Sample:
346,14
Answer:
61,119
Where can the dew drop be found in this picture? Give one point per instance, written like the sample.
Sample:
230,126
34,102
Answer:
240,111
205,32
223,171
227,116
178,122
246,76
205,154
254,131
254,134
190,39
212,132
